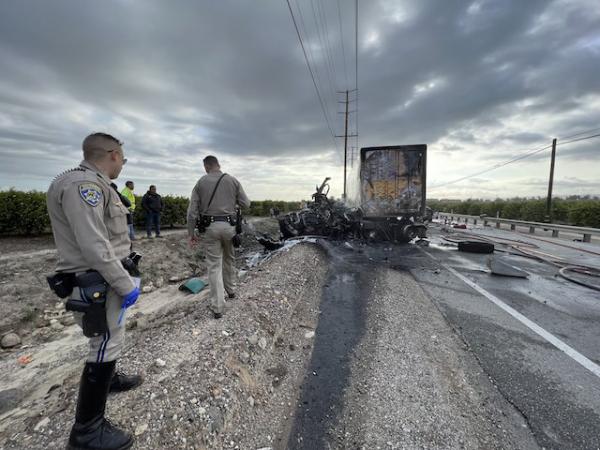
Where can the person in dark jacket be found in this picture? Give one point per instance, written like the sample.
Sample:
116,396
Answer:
152,203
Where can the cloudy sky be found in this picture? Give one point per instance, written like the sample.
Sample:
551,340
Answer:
480,82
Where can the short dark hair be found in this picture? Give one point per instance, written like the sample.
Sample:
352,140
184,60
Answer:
211,161
129,183
96,145
152,186
106,136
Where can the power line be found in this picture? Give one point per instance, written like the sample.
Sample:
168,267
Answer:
579,139
323,49
518,158
580,133
313,60
497,166
323,15
311,72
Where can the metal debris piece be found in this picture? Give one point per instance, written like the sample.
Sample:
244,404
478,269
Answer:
268,243
499,266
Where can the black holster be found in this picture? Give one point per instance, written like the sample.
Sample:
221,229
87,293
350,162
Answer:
61,283
93,290
237,239
202,223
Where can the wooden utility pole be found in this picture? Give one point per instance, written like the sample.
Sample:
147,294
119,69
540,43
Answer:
551,181
345,143
346,136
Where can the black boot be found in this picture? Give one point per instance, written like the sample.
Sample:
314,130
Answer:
121,382
91,430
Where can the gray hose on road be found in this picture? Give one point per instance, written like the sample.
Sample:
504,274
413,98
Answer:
562,273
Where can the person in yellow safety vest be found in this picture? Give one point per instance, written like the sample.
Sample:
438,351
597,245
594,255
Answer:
127,192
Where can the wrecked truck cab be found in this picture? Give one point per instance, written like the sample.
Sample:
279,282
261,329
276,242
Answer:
321,217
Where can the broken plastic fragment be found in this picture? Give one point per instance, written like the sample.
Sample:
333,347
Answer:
193,285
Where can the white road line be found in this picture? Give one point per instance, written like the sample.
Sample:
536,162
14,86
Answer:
574,354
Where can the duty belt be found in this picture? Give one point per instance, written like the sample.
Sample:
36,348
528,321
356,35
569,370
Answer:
220,218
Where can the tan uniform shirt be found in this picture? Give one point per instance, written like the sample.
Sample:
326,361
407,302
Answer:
90,225
229,194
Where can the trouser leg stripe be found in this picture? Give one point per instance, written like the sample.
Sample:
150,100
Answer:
102,349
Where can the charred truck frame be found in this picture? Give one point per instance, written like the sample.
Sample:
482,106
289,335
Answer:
385,199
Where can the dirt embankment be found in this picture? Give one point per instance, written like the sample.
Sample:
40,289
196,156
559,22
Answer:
27,302
212,384
32,311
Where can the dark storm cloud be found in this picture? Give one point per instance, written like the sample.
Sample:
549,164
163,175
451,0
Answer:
178,80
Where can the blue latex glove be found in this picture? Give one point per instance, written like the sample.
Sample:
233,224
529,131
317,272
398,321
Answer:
128,300
131,298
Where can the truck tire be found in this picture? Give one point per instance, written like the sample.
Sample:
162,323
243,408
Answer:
475,247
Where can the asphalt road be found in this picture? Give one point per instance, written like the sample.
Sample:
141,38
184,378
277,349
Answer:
555,392
422,347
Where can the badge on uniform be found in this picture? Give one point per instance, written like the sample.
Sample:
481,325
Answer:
90,193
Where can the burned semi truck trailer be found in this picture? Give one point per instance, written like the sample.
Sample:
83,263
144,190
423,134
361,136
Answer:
388,188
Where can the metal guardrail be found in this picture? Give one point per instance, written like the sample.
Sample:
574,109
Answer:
586,232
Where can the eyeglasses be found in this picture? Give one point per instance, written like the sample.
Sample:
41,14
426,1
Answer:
120,153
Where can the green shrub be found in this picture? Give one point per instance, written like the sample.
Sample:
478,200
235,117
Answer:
263,207
174,212
512,209
534,211
573,210
585,213
23,212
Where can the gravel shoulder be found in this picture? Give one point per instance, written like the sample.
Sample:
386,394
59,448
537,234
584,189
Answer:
416,385
209,384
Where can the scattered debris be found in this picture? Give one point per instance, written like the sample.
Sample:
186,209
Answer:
269,244
500,266
42,424
56,325
160,362
193,285
309,334
140,429
321,217
25,359
10,340
253,340
217,420
475,247
148,288
9,399
178,278
262,343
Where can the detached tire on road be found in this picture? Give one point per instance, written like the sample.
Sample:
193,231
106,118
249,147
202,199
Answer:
475,247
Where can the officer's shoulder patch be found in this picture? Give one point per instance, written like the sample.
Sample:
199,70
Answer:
91,193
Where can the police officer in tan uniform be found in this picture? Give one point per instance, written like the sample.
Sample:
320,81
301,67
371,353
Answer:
91,235
218,207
